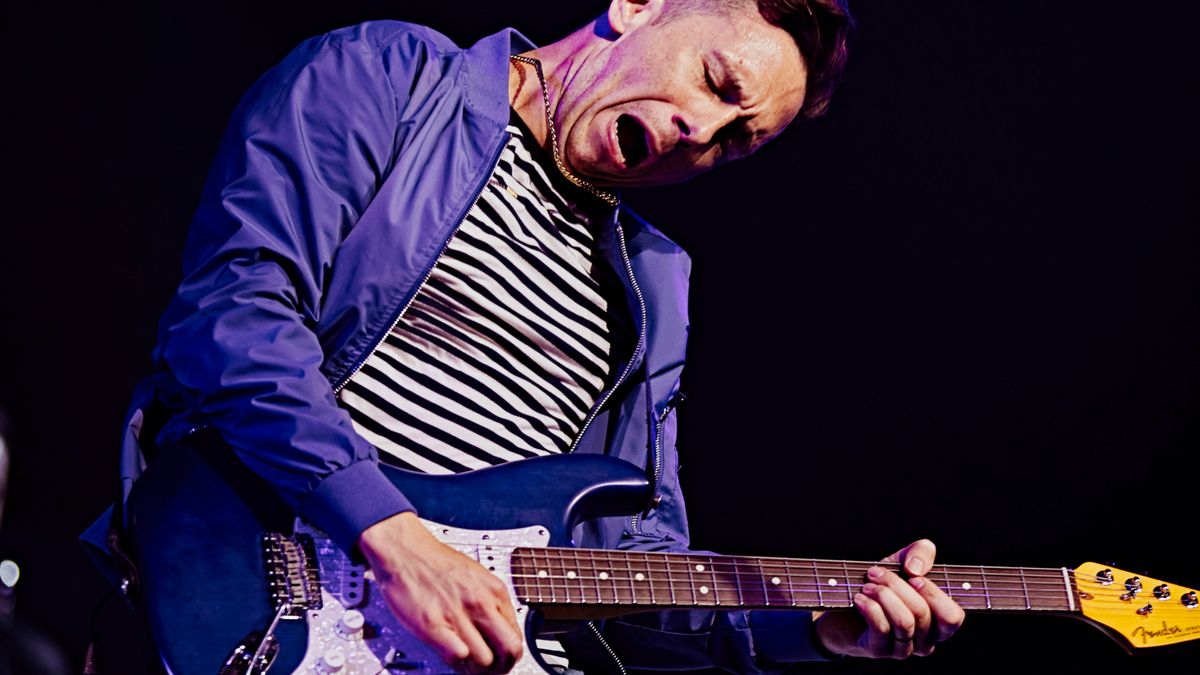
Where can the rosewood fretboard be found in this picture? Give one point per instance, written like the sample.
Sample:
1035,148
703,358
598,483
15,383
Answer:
636,580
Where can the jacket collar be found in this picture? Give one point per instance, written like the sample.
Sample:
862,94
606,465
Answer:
485,67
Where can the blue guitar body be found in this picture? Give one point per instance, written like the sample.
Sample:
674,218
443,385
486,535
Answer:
199,519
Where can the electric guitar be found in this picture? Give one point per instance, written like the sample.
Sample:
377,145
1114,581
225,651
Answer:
232,584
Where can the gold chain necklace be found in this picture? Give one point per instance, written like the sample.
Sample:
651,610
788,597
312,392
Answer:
608,197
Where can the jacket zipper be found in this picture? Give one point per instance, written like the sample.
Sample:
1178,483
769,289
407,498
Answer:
637,291
428,273
636,520
607,648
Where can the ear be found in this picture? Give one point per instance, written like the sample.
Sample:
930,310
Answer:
625,15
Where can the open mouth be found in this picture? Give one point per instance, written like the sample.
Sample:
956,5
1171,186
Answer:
632,139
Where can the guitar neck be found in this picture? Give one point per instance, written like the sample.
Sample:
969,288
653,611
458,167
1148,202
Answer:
631,581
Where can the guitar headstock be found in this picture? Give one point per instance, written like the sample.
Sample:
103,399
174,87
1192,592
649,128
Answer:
1141,611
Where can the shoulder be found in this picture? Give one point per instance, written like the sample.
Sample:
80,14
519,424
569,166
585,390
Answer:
381,36
644,238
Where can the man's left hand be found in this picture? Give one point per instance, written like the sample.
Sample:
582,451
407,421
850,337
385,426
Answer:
895,618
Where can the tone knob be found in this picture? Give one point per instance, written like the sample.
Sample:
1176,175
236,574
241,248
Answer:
1188,599
351,624
332,661
1162,591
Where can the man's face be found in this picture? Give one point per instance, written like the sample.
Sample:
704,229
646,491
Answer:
667,101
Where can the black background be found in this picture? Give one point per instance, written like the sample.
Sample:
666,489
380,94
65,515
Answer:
963,306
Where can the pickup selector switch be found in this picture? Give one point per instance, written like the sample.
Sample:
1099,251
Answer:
350,626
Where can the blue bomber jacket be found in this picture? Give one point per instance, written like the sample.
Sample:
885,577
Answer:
342,175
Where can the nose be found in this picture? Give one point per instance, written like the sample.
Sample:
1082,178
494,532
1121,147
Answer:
700,127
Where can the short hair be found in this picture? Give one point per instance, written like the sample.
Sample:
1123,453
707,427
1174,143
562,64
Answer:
822,30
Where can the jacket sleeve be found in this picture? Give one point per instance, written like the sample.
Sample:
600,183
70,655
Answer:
745,642
304,154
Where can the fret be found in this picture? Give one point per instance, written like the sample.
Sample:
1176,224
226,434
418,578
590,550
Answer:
671,579
573,577
661,579
947,586
762,577
986,596
633,591
546,576
595,575
816,583
715,590
969,587
849,590
648,578
691,580
791,590
1025,588
737,580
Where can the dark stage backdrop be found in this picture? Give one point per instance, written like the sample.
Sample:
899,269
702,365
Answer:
963,306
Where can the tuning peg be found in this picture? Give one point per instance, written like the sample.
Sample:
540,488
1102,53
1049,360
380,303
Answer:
1162,591
1188,599
1105,577
1133,585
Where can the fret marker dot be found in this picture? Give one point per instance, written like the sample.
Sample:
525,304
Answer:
639,577
699,568
704,590
542,574
833,582
603,576
570,575
775,580
966,585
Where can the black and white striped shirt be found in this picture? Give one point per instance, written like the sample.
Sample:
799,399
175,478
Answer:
509,343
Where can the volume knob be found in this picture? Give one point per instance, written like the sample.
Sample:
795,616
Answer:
332,661
351,624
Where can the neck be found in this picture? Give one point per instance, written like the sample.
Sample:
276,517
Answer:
627,582
562,64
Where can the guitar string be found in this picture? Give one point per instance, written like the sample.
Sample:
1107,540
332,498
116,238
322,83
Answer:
1054,574
729,587
814,587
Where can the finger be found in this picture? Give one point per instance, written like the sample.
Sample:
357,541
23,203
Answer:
916,558
502,636
480,658
910,596
948,616
901,622
872,613
448,645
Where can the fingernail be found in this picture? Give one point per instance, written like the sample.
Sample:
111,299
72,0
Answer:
876,573
916,565
917,582
858,598
867,588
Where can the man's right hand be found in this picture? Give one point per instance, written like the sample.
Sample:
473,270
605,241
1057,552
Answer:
443,597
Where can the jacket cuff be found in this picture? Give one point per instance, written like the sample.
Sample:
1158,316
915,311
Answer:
352,499
783,636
